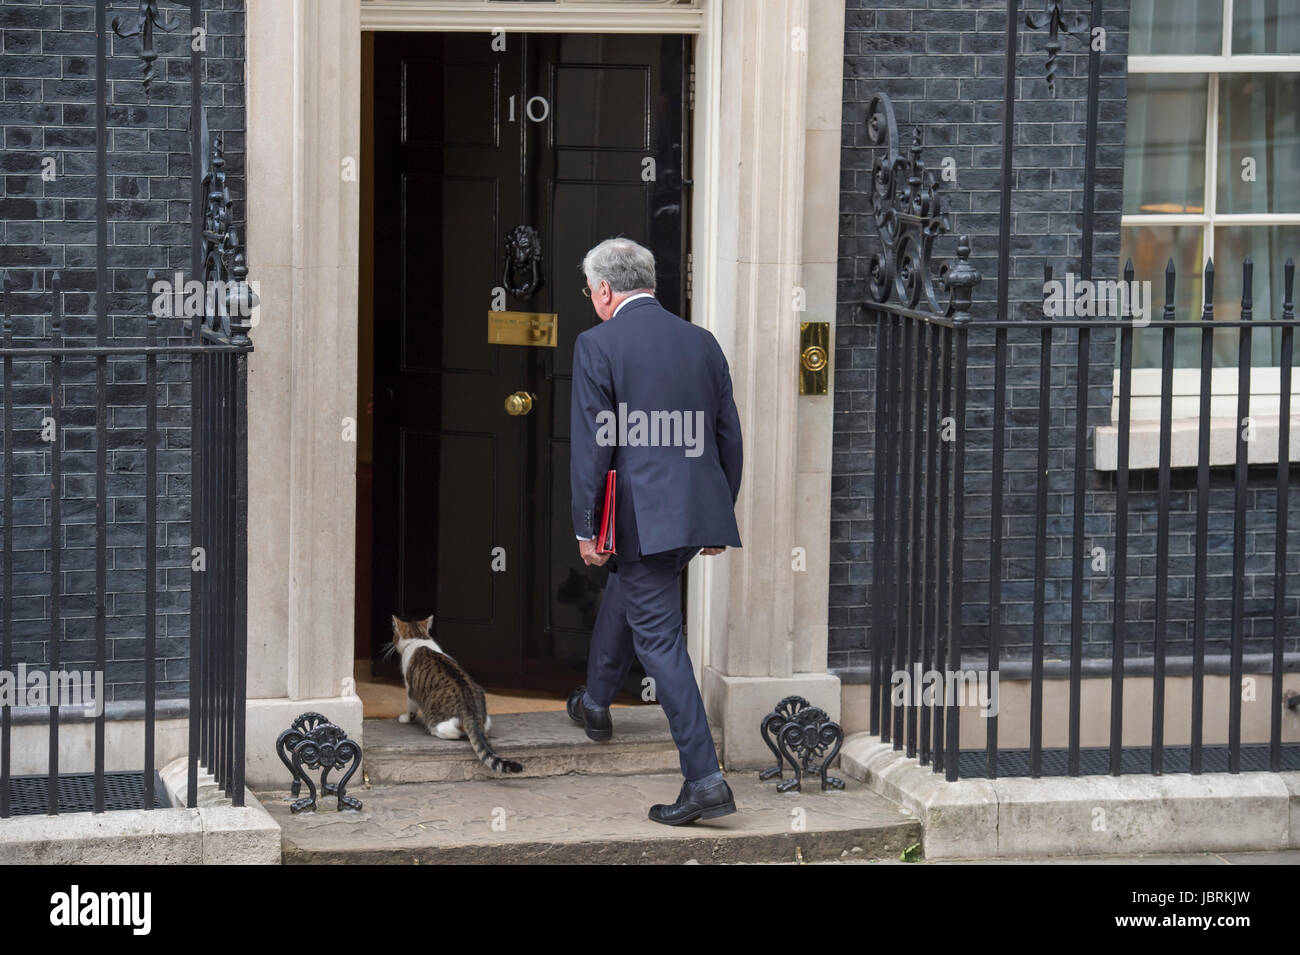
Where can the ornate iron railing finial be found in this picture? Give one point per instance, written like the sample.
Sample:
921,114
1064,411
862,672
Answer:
229,302
1055,19
960,281
909,216
147,18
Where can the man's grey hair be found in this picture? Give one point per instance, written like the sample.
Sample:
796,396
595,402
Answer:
624,264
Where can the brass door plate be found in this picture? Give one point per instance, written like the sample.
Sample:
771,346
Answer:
814,357
523,328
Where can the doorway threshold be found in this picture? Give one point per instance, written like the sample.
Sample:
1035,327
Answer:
385,698
547,743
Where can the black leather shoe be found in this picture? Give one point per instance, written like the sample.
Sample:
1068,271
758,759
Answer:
596,722
710,803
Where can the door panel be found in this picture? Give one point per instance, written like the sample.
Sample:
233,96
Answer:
592,145
441,322
468,117
602,107
446,458
466,588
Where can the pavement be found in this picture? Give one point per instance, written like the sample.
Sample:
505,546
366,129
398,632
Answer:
429,801
580,818
1285,857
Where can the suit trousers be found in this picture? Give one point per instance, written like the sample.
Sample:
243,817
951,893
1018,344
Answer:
641,615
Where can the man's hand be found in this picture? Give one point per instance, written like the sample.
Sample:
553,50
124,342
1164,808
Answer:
587,551
711,551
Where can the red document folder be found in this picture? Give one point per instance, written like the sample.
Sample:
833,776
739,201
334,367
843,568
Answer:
605,539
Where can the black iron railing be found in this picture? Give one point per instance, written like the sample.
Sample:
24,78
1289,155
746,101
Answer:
922,611
921,542
213,340
218,633
219,644
921,365
219,510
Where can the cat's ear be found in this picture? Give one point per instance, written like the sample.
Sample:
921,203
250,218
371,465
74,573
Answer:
428,624
397,624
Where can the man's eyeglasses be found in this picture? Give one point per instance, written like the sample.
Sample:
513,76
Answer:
586,291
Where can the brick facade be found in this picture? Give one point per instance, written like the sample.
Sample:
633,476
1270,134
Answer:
941,62
47,122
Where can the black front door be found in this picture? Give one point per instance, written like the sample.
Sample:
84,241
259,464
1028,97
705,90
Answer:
578,137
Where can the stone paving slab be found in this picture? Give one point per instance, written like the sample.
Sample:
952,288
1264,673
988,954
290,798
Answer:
548,744
1058,817
575,819
1281,857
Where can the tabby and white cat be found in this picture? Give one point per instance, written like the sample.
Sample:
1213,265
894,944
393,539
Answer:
446,696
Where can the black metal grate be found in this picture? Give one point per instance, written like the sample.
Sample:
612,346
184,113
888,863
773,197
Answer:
1134,760
125,790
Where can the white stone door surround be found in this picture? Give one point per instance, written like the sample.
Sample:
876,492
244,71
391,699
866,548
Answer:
766,172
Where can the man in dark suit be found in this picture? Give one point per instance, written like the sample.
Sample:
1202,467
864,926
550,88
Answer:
652,400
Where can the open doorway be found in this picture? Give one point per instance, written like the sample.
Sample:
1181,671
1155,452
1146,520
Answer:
555,141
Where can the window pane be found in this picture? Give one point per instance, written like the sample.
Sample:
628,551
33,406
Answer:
1259,142
1268,247
1266,27
1176,26
1164,156
1150,248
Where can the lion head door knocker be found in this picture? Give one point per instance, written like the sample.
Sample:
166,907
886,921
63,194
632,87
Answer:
523,265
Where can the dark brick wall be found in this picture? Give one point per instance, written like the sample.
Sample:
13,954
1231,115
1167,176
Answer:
47,68
941,62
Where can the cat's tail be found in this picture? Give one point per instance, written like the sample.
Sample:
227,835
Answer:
483,749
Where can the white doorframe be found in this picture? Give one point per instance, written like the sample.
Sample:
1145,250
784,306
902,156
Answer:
567,16
765,219
702,21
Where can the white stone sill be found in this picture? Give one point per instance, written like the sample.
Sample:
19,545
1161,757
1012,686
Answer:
1184,447
1144,423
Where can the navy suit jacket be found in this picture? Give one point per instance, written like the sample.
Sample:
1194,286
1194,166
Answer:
659,389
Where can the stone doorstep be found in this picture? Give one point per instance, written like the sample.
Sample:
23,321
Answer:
547,743
1087,815
590,819
213,833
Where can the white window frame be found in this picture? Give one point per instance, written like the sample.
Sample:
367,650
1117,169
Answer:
1213,67
1146,380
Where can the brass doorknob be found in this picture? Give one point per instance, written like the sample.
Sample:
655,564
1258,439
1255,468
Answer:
520,403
